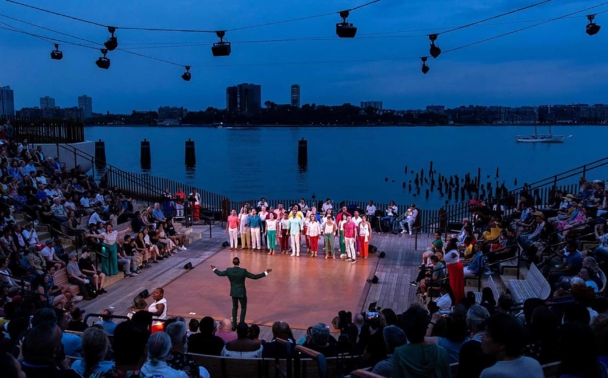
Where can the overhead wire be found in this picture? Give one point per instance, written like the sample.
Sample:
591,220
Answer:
49,39
184,30
495,17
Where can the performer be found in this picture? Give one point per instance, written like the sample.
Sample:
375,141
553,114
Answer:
455,269
295,226
238,292
232,228
109,263
180,199
365,235
195,198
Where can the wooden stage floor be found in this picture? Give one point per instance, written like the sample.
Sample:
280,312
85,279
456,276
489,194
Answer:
301,290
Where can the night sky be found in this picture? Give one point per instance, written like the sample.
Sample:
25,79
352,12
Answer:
553,63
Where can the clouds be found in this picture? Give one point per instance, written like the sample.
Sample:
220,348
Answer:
554,63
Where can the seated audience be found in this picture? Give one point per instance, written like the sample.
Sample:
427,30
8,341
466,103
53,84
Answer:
178,359
242,347
95,345
206,342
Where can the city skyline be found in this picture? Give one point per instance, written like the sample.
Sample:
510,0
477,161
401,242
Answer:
554,63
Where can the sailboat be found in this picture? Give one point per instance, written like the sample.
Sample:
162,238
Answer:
542,138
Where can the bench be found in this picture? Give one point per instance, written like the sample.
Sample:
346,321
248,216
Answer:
228,367
61,278
492,285
512,263
534,286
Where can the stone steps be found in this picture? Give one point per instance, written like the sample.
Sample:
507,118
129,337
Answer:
192,237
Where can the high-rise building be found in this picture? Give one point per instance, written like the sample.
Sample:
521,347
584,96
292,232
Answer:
295,95
376,105
244,98
232,100
47,102
7,101
86,103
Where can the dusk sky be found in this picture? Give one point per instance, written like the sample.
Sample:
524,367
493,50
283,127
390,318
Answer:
553,63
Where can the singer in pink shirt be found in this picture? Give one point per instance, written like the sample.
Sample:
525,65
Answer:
232,228
350,234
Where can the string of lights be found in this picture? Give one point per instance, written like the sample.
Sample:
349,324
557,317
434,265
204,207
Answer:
103,62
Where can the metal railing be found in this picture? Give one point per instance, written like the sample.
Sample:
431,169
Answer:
63,131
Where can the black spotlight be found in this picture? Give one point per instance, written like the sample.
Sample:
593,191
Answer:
592,27
225,244
103,62
112,42
56,54
220,48
144,294
188,266
435,51
187,75
382,255
345,29
373,280
425,68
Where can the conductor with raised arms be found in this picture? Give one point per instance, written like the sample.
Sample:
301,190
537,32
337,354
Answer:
238,292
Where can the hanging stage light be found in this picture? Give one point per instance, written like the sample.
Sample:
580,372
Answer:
56,54
220,48
592,27
435,51
187,75
112,43
345,29
103,62
425,68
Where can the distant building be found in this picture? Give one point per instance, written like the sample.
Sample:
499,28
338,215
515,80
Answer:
86,104
171,115
7,101
244,98
377,105
76,113
47,102
295,95
439,109
232,100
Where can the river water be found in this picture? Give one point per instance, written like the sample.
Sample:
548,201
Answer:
348,163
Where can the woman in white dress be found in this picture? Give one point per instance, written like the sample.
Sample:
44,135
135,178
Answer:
158,308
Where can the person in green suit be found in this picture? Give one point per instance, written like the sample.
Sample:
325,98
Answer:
238,292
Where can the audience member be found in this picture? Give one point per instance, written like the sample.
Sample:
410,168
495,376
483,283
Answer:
504,339
178,359
242,347
95,345
394,338
206,342
130,339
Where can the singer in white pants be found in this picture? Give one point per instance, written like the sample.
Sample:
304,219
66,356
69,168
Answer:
351,251
255,238
234,237
295,244
295,226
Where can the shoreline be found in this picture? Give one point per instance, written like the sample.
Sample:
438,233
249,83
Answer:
254,127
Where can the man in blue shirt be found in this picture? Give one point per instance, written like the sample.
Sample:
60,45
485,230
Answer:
476,266
254,222
569,263
295,227
158,213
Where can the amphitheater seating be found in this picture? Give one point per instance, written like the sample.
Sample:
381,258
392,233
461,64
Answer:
226,367
61,278
492,285
511,264
534,286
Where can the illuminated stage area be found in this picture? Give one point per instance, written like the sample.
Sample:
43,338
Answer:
301,291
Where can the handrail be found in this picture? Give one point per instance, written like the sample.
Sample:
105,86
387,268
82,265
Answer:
531,187
144,181
314,355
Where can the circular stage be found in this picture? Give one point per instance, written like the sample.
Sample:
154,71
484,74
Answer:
301,291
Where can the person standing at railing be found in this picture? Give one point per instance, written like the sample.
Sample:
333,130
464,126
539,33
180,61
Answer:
410,219
195,198
168,203
180,199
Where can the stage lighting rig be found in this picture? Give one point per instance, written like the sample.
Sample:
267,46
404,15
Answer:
425,68
220,48
345,29
56,54
112,43
592,27
435,51
187,75
103,62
